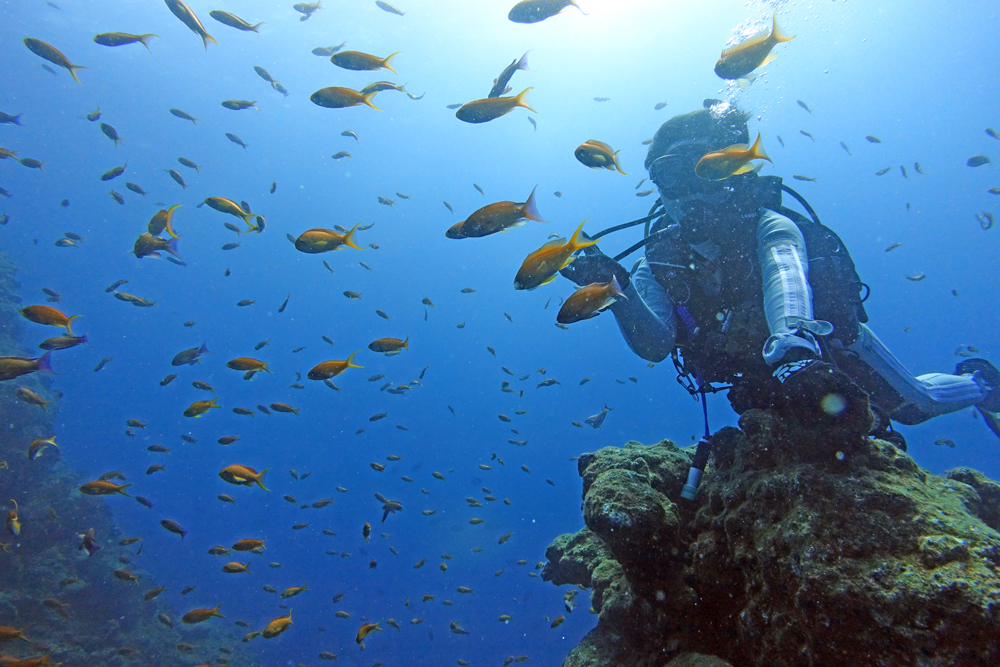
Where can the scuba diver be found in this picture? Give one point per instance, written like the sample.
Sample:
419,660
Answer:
750,296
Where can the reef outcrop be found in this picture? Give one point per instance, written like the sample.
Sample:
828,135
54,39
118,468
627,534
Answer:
798,551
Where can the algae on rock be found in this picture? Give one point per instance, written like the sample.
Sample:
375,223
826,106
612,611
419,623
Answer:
797,551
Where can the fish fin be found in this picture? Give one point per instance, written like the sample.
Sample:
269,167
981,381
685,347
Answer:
519,100
530,210
171,246
72,71
206,38
614,158
349,364
522,63
757,151
349,239
170,217
368,100
550,278
571,2
405,343
69,325
744,169
203,349
144,40
257,25
385,62
744,82
776,33
260,479
43,364
767,61
576,241
263,367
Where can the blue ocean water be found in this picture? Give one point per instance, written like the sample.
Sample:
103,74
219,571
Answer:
886,70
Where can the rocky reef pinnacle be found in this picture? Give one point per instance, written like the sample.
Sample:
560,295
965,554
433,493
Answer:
802,548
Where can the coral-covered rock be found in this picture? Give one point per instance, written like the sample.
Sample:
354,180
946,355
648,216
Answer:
796,552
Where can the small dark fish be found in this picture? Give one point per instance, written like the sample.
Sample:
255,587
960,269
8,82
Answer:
844,146
416,97
533,123
993,133
327,51
454,106
500,83
123,38
173,527
883,171
448,206
804,106
284,304
479,189
902,169
978,161
184,115
111,133
800,177
659,105
873,139
385,6
49,69
236,140
533,11
917,168
95,114
117,197
327,265
113,173
234,21
53,55
781,141
239,105
602,99
177,178
274,186
189,164
136,189
145,502
104,362
803,132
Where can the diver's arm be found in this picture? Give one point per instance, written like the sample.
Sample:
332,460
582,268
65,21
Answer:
646,319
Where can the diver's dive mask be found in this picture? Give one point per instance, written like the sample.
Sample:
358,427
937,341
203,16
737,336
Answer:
682,192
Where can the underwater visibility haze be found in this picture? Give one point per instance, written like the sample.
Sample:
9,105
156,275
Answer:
421,483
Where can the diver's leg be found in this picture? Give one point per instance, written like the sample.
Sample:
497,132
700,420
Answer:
923,396
788,306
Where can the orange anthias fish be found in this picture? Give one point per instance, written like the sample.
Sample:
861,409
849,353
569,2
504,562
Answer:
366,630
491,108
598,155
14,524
541,266
329,369
589,301
49,316
739,60
162,221
188,18
201,615
277,626
496,217
247,364
362,62
335,97
730,161
315,241
198,408
243,476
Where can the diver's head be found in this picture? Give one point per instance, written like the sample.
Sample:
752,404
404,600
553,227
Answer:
680,143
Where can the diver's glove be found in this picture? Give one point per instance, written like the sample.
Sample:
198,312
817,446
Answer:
595,267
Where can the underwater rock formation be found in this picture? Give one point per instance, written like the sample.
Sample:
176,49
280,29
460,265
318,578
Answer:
797,551
74,605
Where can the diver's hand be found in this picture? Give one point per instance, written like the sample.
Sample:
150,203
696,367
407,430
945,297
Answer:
595,268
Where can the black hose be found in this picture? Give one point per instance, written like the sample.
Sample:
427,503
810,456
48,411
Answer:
626,225
800,199
652,238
